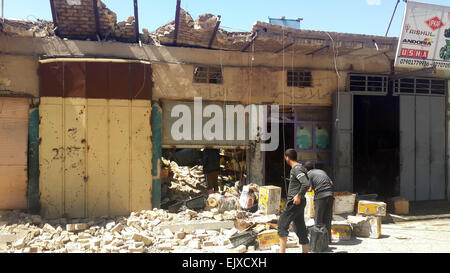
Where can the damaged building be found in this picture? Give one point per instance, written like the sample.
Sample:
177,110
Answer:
86,103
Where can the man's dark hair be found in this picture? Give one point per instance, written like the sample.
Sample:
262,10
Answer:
291,154
309,165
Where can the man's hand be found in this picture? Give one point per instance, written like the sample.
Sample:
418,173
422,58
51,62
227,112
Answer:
297,200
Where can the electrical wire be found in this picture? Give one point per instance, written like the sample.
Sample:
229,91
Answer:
335,54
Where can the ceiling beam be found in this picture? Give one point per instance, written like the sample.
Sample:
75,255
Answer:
177,22
317,50
214,34
284,48
249,44
97,19
136,20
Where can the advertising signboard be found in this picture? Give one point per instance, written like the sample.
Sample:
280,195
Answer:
425,38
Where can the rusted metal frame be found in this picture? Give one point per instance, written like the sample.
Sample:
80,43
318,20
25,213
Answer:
97,19
255,35
177,22
55,21
136,20
214,34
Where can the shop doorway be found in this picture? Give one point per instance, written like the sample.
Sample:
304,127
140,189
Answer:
376,144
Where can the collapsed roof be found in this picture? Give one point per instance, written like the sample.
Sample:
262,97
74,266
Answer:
91,19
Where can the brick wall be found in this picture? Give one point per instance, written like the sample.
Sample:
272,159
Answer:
76,20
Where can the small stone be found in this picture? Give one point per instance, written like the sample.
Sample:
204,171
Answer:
167,232
180,235
48,228
165,247
208,243
240,249
195,244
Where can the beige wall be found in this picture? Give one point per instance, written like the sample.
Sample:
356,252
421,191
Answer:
19,75
264,85
174,66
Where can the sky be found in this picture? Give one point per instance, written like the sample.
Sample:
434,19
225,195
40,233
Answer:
350,16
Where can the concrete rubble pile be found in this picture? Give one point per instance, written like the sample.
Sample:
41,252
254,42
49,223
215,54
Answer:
188,182
144,231
25,28
199,32
185,182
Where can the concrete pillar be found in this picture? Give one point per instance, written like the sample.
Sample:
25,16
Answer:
255,166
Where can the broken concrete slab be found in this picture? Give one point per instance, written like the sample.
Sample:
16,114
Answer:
193,226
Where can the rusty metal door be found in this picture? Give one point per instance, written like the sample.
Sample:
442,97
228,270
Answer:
14,114
95,150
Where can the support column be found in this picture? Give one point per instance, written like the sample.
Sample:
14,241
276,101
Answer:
157,154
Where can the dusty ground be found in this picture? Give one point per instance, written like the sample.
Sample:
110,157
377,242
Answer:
145,232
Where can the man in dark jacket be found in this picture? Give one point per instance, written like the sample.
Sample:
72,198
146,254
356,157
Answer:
295,205
323,196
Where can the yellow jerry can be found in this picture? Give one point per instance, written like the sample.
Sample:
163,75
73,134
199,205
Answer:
268,238
372,208
269,200
341,232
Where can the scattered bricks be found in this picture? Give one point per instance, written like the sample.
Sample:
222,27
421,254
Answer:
142,238
7,238
180,235
137,250
73,238
208,243
84,236
75,227
168,233
95,242
173,242
241,215
165,247
200,231
212,232
240,249
110,225
48,228
30,250
19,244
231,232
117,243
208,214
218,217
184,242
117,228
192,213
195,244
214,211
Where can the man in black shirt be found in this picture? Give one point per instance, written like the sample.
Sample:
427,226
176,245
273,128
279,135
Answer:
323,196
296,202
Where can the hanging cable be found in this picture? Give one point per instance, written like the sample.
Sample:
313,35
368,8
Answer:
335,54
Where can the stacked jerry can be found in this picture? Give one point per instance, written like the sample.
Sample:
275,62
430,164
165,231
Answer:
367,222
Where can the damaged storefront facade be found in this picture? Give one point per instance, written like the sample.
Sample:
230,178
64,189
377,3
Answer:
94,115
